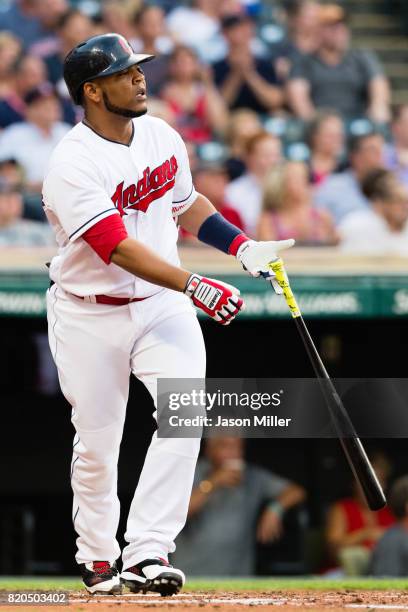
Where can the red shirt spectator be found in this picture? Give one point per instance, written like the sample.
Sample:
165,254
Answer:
198,107
352,529
355,519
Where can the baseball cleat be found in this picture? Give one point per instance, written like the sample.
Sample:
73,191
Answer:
101,577
155,575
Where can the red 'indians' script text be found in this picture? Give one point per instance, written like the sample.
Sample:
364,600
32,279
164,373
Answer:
152,186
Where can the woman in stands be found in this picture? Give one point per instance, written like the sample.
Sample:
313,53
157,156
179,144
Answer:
326,143
288,209
190,92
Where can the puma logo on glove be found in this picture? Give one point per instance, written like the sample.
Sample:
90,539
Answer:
217,299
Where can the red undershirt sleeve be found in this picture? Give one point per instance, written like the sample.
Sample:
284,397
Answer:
105,235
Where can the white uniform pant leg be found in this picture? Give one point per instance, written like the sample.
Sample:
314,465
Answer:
91,346
173,348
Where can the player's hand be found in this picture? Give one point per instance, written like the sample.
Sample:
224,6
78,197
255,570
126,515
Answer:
255,257
269,527
219,300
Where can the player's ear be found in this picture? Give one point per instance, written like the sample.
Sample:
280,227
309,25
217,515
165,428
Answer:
92,91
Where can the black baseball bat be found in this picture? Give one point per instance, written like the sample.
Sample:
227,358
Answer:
351,444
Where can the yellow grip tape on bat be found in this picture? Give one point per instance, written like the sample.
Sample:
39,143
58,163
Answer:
278,269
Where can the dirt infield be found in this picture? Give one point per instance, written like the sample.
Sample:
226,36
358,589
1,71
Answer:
229,601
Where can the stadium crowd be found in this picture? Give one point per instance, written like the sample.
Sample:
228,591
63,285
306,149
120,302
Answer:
290,130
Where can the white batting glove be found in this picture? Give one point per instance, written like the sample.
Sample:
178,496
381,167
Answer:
255,257
218,300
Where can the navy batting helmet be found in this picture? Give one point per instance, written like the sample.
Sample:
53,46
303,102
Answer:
98,56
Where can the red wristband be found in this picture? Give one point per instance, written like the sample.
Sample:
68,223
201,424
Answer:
236,243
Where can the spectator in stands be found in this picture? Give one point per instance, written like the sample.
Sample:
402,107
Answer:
341,193
72,28
211,180
246,81
24,233
161,109
287,210
153,39
10,50
15,231
352,530
396,154
48,12
152,36
390,556
119,16
198,26
303,32
192,153
28,73
242,124
21,19
32,141
223,521
262,152
303,25
190,91
348,80
383,227
325,138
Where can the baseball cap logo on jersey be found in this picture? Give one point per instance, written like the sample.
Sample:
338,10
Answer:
152,186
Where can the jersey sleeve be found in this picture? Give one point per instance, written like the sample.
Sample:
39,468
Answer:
76,195
184,193
105,235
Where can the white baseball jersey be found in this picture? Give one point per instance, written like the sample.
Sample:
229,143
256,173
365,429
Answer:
89,177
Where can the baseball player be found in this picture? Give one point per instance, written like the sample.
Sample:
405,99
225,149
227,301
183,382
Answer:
116,187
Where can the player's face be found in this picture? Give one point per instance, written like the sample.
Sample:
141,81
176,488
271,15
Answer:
124,93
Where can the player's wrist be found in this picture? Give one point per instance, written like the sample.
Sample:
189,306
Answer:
180,280
221,234
242,244
239,244
191,284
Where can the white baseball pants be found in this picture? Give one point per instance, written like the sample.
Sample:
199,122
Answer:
95,347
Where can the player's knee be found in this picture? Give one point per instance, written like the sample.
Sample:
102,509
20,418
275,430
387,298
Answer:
95,471
98,460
